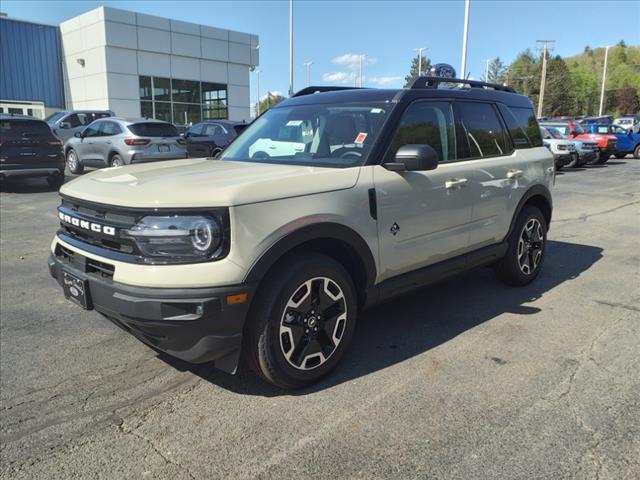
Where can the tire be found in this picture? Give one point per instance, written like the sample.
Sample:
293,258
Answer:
116,161
73,163
524,240
286,343
636,152
620,155
602,158
56,181
575,161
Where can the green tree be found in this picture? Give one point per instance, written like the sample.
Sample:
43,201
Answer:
269,101
558,98
627,100
413,71
497,71
524,75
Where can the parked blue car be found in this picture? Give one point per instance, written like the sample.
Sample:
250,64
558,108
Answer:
628,142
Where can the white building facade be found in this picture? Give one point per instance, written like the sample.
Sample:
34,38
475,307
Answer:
141,65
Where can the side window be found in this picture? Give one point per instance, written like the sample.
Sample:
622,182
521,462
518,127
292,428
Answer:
73,120
426,123
212,129
517,129
92,130
110,128
603,129
196,130
79,119
483,132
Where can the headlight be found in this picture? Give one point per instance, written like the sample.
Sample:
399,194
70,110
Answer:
178,238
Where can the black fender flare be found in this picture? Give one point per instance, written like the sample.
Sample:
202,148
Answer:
534,191
318,231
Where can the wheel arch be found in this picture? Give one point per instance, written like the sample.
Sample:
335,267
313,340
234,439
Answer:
539,196
337,241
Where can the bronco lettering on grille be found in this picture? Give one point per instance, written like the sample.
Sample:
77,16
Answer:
86,225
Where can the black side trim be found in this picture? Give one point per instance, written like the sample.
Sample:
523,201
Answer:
407,282
373,204
318,231
536,190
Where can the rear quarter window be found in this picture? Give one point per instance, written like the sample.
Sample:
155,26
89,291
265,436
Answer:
528,122
24,128
153,129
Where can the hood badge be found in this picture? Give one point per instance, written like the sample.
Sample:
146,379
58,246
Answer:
395,228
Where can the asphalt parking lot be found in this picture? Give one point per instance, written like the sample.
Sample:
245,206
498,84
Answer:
467,379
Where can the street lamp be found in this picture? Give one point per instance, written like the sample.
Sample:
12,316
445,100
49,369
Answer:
362,57
308,65
419,50
291,48
465,36
604,78
257,92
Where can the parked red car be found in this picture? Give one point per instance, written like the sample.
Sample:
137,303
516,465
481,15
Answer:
607,143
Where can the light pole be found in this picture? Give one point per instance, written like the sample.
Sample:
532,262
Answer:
543,79
291,48
486,70
257,92
362,57
308,65
604,78
419,50
465,36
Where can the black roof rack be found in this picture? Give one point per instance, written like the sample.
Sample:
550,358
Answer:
312,90
433,82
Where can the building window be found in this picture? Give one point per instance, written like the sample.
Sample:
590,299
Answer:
182,102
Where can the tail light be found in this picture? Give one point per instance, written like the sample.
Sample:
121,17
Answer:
137,141
182,141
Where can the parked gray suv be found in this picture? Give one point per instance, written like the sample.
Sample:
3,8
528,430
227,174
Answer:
66,123
117,141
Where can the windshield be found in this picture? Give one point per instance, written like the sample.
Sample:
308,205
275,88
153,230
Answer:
334,135
54,116
555,132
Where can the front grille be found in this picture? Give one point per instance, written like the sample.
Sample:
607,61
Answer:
102,216
84,264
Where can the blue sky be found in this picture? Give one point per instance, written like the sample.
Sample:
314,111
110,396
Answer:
330,33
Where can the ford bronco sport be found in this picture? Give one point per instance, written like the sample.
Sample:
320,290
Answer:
332,201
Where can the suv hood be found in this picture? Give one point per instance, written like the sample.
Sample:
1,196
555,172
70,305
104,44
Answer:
205,183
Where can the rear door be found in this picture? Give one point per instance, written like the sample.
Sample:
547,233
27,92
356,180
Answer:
626,142
27,143
423,216
195,146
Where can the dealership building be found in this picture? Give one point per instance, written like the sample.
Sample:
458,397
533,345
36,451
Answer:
131,63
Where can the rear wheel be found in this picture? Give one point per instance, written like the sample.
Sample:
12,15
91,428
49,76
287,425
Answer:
301,321
527,244
636,152
73,163
117,161
55,181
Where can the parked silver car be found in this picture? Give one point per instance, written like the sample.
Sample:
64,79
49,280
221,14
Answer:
64,124
117,141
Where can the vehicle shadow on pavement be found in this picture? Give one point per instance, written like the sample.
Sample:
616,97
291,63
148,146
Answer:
411,325
28,185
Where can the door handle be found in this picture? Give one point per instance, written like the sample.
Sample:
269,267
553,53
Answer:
514,173
456,182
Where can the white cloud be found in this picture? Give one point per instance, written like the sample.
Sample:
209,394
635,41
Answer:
384,81
352,60
339,77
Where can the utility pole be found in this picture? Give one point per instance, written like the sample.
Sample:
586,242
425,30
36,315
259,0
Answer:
308,65
604,79
465,36
361,67
419,50
543,79
486,70
291,48
258,92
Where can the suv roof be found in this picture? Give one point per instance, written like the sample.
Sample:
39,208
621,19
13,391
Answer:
421,87
12,116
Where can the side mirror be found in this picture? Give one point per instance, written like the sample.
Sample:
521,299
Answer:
78,134
413,158
65,125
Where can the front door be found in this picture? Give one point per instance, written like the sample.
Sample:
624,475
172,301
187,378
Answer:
423,216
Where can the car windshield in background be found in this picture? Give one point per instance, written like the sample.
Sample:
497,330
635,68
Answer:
54,117
153,129
23,128
316,135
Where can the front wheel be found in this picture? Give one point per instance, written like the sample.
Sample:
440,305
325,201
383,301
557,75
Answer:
301,321
636,152
527,244
73,162
603,157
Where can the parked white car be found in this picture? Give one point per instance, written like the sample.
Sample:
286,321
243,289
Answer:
564,152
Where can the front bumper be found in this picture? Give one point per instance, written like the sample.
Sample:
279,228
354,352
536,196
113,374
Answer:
587,156
195,325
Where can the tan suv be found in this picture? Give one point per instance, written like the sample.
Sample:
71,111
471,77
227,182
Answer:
333,201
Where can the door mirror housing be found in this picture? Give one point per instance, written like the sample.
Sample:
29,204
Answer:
414,158
78,134
65,125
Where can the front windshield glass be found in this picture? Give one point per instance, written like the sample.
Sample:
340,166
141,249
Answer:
332,135
53,117
555,132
